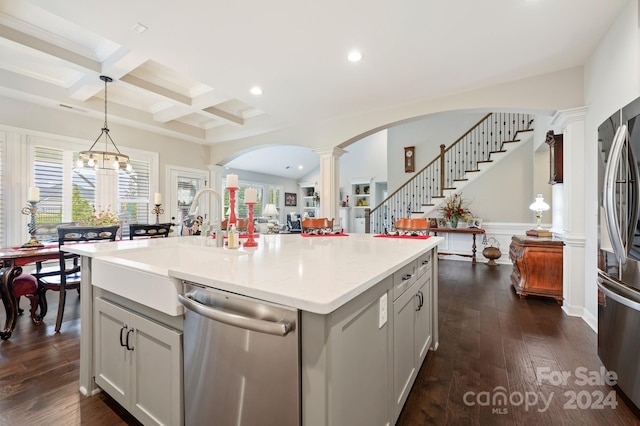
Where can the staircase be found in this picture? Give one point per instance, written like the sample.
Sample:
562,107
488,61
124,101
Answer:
452,169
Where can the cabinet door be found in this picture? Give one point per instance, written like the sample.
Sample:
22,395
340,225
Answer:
423,318
156,396
111,358
404,359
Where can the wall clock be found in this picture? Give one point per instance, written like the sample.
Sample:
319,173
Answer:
409,159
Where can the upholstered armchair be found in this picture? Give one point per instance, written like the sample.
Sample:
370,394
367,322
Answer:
294,223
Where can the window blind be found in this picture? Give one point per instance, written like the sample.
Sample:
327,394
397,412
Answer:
3,241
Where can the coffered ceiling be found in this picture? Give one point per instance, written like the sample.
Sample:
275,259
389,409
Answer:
186,68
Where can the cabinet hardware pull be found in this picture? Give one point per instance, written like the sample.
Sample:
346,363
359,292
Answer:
406,277
425,262
420,297
123,328
128,333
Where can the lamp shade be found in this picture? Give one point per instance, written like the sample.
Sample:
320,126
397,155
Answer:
539,205
270,210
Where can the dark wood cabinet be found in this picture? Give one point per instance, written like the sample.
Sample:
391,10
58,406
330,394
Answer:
537,266
555,157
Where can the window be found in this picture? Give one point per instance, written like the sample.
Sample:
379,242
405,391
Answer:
49,176
3,242
134,193
68,193
267,194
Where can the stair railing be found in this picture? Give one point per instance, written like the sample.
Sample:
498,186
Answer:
453,163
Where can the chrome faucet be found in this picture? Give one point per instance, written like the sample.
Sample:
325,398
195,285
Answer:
191,218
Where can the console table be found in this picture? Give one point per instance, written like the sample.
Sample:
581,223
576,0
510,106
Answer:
537,266
470,231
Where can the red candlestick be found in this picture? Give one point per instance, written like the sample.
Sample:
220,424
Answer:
232,203
250,241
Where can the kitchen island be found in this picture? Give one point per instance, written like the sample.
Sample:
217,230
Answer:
367,316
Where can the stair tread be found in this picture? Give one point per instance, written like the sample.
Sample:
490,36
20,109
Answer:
482,149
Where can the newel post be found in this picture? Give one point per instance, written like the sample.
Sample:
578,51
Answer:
442,147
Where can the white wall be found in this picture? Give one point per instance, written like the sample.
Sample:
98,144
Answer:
611,81
366,158
172,151
513,176
426,135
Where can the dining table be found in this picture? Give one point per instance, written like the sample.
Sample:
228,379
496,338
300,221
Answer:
14,258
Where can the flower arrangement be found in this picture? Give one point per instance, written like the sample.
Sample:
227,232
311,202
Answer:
454,209
101,218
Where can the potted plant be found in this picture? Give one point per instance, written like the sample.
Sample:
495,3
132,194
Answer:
454,210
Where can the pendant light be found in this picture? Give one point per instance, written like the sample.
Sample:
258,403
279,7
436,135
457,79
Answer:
107,159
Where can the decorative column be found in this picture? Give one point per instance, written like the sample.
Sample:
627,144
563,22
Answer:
329,185
569,197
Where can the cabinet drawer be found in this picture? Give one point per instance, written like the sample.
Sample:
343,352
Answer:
403,278
423,264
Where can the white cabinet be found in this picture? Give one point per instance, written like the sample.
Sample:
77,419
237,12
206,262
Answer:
344,219
361,194
360,200
139,363
411,326
308,199
424,291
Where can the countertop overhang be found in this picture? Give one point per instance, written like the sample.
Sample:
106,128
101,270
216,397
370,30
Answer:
314,274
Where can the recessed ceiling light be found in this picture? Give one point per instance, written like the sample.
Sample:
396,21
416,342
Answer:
354,56
139,28
300,167
255,90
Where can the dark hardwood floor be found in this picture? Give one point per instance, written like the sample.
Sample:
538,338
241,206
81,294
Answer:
39,372
489,338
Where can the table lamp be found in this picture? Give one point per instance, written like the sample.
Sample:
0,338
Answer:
271,211
539,206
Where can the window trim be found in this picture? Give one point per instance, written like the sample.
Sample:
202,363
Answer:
18,175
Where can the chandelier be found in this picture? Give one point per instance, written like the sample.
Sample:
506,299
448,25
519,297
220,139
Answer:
104,159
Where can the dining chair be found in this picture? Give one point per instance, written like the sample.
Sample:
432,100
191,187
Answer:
69,276
418,226
140,230
51,267
294,223
22,285
312,225
242,225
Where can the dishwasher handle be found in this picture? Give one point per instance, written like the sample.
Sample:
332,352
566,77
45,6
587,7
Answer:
281,328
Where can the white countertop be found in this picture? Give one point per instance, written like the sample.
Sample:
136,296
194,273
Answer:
315,274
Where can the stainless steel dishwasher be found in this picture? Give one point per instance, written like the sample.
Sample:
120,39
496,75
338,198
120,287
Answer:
241,360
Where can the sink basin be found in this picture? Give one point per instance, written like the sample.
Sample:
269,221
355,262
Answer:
141,274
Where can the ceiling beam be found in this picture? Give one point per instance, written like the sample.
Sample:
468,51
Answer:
48,48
